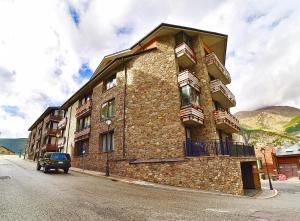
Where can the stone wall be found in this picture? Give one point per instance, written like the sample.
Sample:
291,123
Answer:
208,130
153,125
222,174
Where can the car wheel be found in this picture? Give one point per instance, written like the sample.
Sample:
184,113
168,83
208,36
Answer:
66,170
45,169
38,166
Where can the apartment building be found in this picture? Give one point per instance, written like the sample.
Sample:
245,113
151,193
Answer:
168,107
43,133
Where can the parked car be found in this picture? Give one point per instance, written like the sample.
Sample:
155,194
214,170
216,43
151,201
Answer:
54,160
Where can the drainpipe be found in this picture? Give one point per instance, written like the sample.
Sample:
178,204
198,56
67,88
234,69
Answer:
124,108
69,122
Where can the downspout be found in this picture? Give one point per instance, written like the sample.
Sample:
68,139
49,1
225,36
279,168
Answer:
124,110
69,122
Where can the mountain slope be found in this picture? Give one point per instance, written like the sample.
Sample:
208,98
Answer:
16,145
274,124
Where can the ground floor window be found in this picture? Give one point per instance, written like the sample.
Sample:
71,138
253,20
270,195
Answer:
81,147
107,142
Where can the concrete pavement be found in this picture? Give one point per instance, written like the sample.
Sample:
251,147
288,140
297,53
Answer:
27,194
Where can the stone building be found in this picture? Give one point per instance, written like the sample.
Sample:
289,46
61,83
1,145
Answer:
168,104
43,133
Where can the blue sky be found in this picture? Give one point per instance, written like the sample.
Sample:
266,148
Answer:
47,52
74,13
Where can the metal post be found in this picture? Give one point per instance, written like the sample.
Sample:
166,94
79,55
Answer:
270,183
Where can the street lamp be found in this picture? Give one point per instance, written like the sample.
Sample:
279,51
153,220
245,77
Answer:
263,151
108,123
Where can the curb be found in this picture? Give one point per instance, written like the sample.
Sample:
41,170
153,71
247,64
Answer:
168,187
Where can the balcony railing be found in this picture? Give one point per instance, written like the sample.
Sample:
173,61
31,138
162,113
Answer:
192,115
55,118
185,55
187,78
50,132
49,147
82,134
222,94
62,124
217,147
226,121
216,68
84,108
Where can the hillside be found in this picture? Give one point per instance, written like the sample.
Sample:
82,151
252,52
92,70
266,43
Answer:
274,124
16,145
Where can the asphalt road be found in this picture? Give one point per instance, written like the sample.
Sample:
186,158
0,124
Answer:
27,194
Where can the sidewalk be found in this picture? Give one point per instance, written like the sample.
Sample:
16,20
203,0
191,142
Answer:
264,194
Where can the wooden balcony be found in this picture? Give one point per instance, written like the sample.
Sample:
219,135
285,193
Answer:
222,94
50,132
216,68
192,115
84,109
49,147
187,78
62,123
82,134
226,121
185,55
55,118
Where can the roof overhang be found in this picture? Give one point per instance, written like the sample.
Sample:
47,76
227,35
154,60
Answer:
46,112
216,41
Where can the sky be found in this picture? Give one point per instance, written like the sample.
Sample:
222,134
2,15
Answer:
50,48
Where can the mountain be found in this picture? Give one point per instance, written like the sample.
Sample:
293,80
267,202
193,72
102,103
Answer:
17,145
273,124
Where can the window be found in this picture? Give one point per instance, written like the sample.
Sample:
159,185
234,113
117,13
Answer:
84,99
107,142
108,109
58,156
189,96
110,82
81,146
83,123
182,37
51,140
52,125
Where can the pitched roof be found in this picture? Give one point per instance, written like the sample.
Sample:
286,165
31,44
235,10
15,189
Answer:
41,118
7,149
288,150
112,60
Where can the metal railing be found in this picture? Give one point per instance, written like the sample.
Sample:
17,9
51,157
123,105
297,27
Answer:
218,147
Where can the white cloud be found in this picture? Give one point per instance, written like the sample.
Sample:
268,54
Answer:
41,49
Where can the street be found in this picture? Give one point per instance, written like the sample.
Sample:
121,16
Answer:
28,194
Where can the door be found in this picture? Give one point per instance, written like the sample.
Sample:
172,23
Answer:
247,175
290,170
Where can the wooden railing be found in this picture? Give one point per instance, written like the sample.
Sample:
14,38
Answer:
84,108
183,48
192,114
82,133
53,118
217,85
187,78
224,117
212,59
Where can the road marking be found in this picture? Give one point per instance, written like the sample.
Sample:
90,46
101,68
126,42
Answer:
216,210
